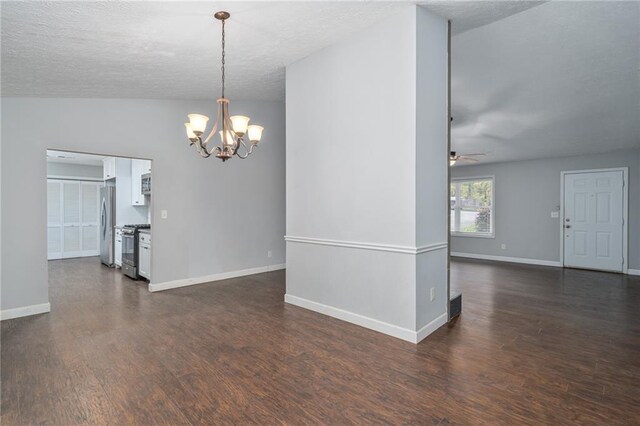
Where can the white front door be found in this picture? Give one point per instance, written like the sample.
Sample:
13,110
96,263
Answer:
594,220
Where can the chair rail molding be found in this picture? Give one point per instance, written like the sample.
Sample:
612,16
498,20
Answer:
368,246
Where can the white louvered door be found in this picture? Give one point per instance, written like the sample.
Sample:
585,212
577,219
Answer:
54,220
73,219
90,216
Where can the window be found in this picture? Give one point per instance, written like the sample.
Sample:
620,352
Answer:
472,207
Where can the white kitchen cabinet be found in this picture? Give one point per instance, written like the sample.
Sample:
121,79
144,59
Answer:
144,255
109,168
138,168
118,257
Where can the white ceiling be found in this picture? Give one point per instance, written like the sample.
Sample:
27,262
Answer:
68,157
171,50
466,15
560,79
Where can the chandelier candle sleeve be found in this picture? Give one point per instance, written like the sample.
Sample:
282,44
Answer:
231,128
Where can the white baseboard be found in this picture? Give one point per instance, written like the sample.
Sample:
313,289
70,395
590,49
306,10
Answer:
370,323
508,259
25,311
633,271
215,277
431,327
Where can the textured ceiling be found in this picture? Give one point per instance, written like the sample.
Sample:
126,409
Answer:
466,15
171,50
166,49
559,79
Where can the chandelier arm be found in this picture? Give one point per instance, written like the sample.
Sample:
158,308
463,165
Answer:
248,151
215,126
201,149
228,126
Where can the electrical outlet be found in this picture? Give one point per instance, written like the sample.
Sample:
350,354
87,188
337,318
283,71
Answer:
163,214
269,254
503,246
433,294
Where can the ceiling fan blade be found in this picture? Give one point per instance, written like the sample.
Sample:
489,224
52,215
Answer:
465,158
472,155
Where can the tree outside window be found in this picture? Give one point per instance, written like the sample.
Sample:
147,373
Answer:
472,207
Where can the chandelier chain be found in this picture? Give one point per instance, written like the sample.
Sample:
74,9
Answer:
223,54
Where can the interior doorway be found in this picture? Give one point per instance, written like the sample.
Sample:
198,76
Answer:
99,208
594,219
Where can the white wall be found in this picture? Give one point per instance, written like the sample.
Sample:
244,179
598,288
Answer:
351,173
432,165
73,170
526,192
221,217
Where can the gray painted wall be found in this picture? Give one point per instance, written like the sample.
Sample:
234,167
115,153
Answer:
73,170
352,170
221,217
527,192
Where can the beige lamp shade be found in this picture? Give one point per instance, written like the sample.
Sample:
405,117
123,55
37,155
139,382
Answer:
198,123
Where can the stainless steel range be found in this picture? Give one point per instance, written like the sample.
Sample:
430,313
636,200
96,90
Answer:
130,249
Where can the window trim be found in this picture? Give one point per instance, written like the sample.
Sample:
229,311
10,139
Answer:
492,234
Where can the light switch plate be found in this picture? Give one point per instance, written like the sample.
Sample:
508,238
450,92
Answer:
163,214
555,215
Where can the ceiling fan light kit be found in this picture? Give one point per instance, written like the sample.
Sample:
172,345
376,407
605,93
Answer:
233,129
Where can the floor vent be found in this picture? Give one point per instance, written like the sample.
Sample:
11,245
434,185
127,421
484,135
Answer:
455,305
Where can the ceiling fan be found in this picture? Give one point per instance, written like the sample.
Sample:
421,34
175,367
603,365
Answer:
453,157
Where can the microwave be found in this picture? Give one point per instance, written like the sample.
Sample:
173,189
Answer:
145,184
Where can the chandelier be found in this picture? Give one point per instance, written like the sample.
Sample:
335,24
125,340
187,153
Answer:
233,129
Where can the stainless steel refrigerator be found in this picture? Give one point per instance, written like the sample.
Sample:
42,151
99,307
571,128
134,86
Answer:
107,222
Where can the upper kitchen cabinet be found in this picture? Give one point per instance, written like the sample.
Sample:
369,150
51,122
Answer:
138,168
109,168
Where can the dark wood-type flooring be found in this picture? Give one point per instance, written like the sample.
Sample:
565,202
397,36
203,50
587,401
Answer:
534,345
